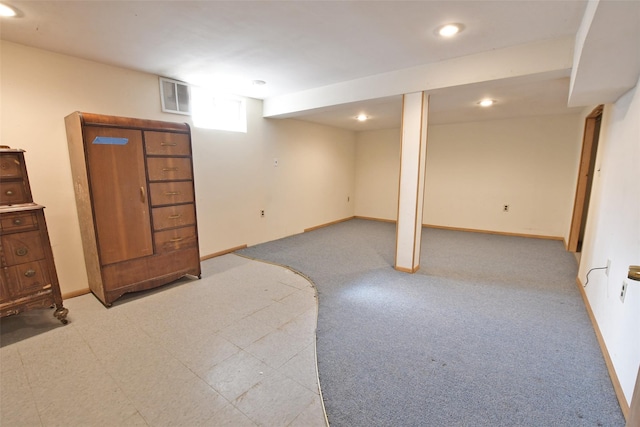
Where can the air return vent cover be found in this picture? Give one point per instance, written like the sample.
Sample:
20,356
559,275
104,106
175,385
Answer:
175,96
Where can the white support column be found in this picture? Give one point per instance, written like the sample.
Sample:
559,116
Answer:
413,150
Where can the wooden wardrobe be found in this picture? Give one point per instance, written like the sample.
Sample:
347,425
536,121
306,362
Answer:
133,181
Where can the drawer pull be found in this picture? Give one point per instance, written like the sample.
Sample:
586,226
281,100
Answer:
177,239
30,273
172,193
17,221
168,144
176,216
169,169
9,192
21,251
142,195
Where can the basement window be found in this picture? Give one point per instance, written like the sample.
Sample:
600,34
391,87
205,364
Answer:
215,111
175,96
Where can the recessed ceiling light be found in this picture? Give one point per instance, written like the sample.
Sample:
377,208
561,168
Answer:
7,11
361,117
486,102
450,30
259,83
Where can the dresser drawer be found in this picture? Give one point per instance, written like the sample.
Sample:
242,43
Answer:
169,193
173,216
16,222
10,166
27,278
169,168
13,193
167,144
24,247
175,239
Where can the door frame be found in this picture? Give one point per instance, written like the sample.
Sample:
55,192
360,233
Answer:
585,177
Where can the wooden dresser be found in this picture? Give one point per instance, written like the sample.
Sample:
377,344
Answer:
28,278
133,180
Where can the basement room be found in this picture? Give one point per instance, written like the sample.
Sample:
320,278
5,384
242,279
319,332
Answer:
314,213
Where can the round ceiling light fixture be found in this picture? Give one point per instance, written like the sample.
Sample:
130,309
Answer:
449,30
361,117
7,11
487,102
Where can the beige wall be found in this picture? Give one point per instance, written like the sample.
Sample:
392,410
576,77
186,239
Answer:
613,233
234,173
530,164
473,169
236,179
377,169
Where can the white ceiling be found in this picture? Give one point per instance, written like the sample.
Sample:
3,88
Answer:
457,104
296,46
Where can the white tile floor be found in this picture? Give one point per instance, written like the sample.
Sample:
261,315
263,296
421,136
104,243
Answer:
235,348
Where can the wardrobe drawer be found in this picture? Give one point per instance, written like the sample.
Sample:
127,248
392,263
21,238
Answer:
167,144
175,239
169,168
22,247
169,193
15,222
173,216
10,166
13,193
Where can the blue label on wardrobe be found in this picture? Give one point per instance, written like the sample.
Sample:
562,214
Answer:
110,141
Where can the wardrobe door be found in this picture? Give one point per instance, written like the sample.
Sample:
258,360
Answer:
117,177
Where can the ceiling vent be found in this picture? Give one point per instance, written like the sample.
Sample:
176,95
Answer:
175,96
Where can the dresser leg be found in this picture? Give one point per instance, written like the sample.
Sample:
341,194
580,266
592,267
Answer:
61,314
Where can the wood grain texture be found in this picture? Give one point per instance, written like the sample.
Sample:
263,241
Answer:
28,277
75,143
14,180
169,168
117,178
167,144
128,245
583,186
173,216
132,123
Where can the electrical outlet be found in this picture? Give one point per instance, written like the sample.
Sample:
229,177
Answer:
505,208
608,267
261,213
623,291
275,162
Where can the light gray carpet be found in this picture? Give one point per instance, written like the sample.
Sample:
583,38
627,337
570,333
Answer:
491,331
